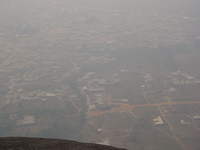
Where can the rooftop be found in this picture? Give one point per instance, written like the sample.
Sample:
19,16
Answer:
158,121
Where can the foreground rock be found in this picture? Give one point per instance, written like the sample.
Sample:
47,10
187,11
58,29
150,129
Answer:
20,143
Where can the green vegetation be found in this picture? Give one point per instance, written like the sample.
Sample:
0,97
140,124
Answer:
65,128
5,124
143,135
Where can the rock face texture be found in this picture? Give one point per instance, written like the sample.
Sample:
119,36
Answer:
22,143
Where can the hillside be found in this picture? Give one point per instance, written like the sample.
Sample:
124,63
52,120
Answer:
20,143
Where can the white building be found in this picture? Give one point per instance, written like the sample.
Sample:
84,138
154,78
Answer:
196,117
158,121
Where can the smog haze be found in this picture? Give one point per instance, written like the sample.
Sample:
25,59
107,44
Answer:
124,73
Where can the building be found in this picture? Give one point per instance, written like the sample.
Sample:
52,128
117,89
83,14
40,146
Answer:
92,107
50,95
183,122
196,117
96,89
124,100
103,82
158,121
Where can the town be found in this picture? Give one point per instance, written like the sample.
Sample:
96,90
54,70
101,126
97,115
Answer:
99,76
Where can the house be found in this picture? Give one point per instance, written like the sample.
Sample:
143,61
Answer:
124,100
183,122
92,107
103,82
158,121
50,95
96,89
196,117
